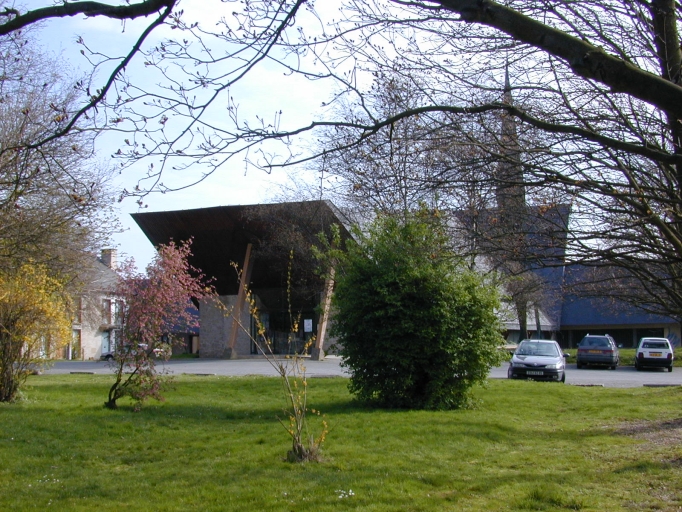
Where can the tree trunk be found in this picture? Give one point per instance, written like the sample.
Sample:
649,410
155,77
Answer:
538,325
113,392
115,389
667,40
522,313
9,383
8,387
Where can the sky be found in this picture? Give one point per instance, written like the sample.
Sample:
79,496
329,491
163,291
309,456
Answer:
233,183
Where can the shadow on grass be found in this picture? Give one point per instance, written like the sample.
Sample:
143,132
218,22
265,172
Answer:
259,401
539,489
547,497
649,466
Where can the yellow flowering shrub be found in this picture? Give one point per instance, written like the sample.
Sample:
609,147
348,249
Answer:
34,324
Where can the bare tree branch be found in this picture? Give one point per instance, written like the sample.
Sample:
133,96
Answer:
17,21
585,59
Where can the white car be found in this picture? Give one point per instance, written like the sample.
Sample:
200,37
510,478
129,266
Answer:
654,353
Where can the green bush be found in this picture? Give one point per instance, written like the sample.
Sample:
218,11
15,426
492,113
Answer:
417,329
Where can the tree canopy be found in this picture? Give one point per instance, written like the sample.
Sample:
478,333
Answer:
595,89
55,198
595,85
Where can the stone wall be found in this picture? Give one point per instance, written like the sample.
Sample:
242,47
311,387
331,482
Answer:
216,326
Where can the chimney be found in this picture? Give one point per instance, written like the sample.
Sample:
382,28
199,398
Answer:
109,257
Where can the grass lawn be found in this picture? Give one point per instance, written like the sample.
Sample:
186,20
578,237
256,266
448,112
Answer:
215,444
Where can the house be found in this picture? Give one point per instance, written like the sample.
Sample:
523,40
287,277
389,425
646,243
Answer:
526,245
96,321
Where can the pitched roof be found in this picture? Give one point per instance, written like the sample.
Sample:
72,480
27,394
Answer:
582,310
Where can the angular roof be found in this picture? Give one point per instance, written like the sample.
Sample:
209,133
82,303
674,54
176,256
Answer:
220,236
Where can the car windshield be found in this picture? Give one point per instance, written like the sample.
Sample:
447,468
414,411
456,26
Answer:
537,349
655,344
594,342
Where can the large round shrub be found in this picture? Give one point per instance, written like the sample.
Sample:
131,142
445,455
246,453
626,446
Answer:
417,329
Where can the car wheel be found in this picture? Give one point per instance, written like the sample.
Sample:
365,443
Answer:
578,366
563,378
109,357
612,367
670,368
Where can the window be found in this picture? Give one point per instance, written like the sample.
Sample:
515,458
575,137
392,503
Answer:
106,311
118,312
655,344
78,317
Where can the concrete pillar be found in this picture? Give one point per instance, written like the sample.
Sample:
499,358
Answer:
231,352
317,354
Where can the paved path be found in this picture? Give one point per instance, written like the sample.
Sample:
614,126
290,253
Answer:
330,367
624,376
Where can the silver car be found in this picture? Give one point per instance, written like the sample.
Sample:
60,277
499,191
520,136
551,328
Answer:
538,360
597,349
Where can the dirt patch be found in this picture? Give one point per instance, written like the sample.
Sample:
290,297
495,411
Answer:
657,433
658,449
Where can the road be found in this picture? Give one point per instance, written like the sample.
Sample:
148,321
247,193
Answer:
623,377
330,367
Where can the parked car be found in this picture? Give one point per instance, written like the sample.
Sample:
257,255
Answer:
654,353
108,356
538,359
597,350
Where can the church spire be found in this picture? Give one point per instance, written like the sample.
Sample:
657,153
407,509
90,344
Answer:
511,191
507,96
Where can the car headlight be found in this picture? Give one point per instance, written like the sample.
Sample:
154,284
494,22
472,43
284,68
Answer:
517,364
557,366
